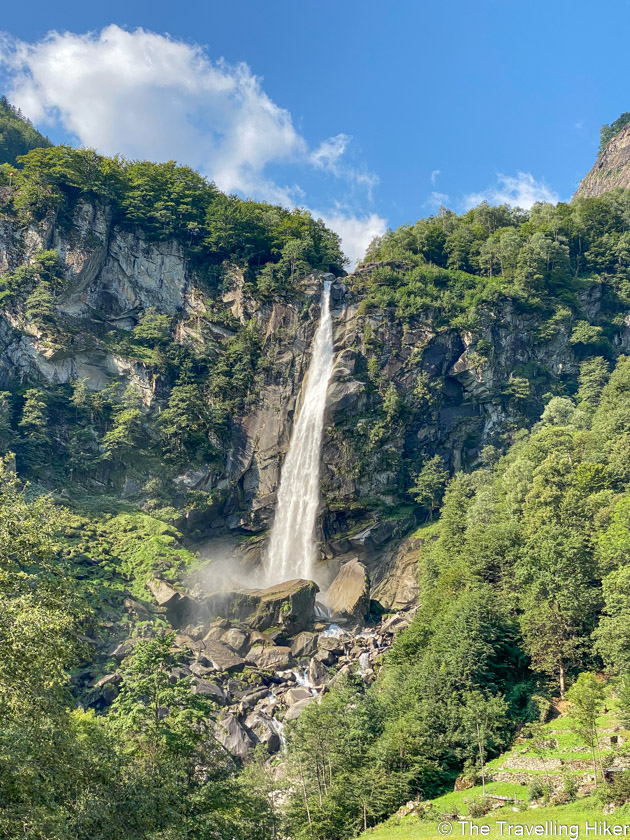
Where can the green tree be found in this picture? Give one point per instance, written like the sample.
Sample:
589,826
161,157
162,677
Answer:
586,700
429,485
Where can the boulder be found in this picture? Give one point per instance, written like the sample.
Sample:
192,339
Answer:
122,650
317,672
248,699
296,709
295,695
214,634
288,606
201,670
271,658
396,622
332,644
180,608
236,639
234,737
209,689
304,644
349,593
182,640
108,679
222,657
264,729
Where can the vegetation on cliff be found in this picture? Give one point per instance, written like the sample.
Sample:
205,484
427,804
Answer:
17,135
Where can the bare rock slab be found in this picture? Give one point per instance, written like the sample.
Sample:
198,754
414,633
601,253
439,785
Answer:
222,657
349,593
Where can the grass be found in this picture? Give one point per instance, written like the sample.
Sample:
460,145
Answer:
576,813
565,744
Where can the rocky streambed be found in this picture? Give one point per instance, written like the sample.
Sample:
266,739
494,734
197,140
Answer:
264,655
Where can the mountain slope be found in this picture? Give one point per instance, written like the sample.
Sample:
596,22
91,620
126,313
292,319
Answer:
17,135
612,167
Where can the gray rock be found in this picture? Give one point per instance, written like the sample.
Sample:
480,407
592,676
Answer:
271,658
209,689
289,605
234,737
222,657
349,594
304,644
294,711
264,729
236,639
317,672
180,607
108,679
294,695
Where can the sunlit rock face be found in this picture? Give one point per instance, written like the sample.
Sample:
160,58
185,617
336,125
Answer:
611,169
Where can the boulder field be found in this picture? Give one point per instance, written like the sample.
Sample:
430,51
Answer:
264,655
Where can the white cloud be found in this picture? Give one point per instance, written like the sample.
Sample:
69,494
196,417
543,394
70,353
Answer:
436,200
434,176
356,232
521,190
148,96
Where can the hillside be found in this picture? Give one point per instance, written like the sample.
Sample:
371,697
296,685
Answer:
611,168
545,778
155,335
17,135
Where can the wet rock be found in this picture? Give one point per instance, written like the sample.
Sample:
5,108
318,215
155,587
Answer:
288,606
234,737
349,594
294,711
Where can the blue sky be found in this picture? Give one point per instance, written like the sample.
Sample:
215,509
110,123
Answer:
369,113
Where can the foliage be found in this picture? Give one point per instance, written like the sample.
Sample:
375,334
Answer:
17,135
609,131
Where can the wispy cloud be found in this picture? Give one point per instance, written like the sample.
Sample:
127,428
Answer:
520,190
436,200
147,95
434,176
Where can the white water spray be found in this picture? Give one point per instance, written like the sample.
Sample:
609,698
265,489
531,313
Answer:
292,550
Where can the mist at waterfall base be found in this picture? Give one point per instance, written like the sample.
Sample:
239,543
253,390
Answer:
292,551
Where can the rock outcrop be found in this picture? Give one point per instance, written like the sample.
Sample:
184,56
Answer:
348,596
612,167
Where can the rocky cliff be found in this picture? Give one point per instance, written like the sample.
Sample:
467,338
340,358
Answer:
612,167
403,389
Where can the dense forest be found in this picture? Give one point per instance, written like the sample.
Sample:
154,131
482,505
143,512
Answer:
525,548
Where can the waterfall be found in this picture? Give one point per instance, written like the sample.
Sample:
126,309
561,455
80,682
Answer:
292,551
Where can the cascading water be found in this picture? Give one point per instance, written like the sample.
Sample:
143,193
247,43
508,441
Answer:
292,551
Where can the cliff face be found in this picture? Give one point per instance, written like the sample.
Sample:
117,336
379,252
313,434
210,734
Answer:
612,167
454,392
